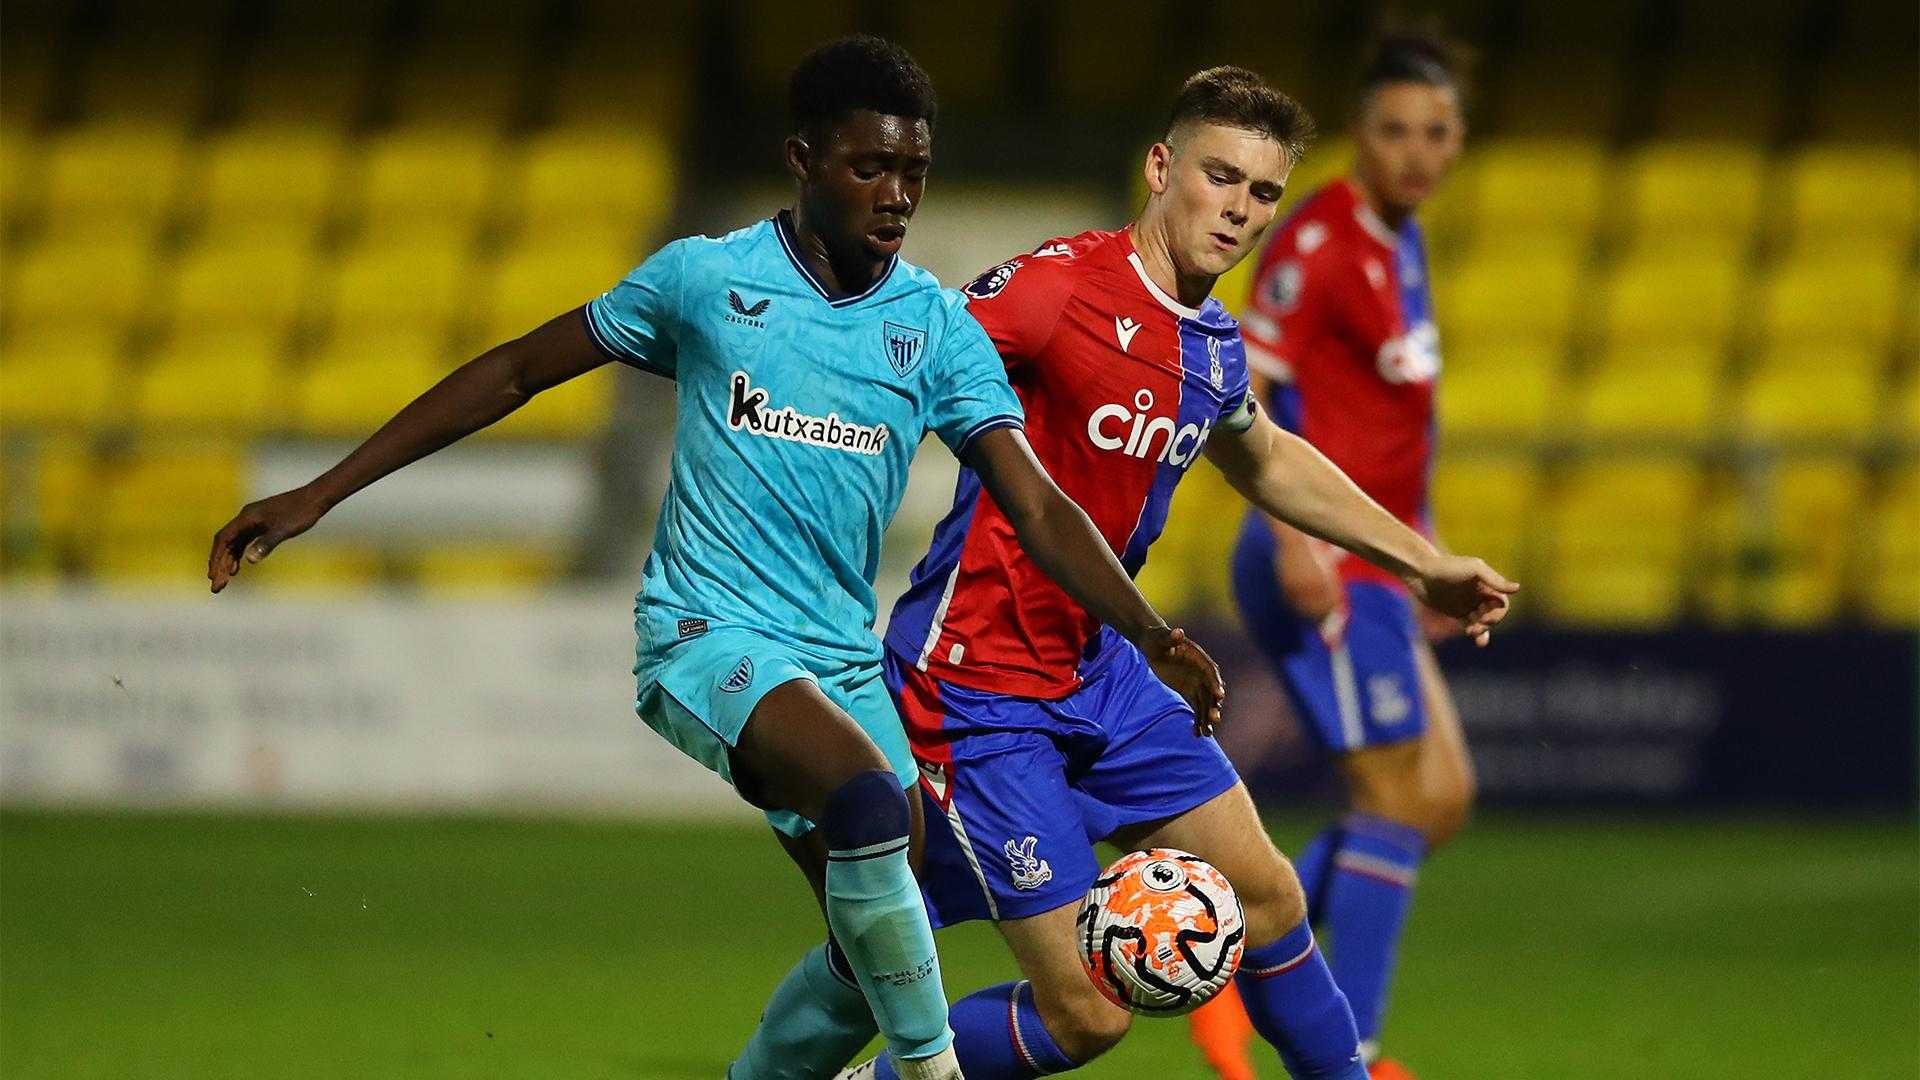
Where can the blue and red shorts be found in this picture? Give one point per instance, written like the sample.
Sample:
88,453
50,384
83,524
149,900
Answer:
1018,790
1354,683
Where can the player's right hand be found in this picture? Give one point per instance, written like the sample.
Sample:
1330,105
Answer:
1186,668
257,529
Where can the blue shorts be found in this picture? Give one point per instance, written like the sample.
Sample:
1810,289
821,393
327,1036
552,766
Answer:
1017,790
698,693
1353,684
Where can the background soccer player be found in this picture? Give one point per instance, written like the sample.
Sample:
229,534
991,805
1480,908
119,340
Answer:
1038,728
1341,338
809,360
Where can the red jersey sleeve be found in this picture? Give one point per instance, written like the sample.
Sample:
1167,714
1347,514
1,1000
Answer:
1018,303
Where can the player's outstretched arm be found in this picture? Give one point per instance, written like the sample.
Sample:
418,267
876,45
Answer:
1063,542
1283,474
478,393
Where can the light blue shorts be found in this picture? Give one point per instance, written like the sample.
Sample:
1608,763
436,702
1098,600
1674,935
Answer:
698,693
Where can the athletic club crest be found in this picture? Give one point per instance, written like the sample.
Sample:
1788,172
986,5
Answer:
903,344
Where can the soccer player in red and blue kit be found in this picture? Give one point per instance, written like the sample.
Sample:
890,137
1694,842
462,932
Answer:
1037,729
1341,339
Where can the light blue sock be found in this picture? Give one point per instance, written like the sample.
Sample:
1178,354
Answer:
815,1022
878,917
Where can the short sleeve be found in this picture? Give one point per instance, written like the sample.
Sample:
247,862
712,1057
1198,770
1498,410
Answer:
1238,408
1017,303
637,322
969,395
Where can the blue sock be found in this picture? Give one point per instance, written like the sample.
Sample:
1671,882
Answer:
997,1035
1294,1005
814,1023
878,917
1366,906
1313,866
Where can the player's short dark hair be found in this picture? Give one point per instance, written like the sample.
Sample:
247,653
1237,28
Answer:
1415,52
1235,97
858,72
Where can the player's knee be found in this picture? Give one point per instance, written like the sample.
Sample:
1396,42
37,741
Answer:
1272,901
869,809
1083,1024
1449,804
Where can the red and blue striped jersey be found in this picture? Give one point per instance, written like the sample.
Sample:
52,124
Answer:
1341,318
1122,386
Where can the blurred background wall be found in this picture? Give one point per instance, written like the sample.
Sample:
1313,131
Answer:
1678,297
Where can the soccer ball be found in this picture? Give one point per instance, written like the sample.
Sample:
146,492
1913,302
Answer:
1161,932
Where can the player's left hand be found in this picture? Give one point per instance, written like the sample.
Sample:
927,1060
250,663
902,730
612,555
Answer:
1184,666
1466,590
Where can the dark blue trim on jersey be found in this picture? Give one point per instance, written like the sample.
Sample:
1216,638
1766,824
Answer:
611,353
992,423
789,244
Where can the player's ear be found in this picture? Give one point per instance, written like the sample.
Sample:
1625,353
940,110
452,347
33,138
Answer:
798,155
1159,164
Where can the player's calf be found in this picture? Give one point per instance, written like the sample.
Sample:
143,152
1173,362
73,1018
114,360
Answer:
1082,1024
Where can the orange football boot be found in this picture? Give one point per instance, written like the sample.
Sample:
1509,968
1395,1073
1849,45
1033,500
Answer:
1389,1069
1221,1030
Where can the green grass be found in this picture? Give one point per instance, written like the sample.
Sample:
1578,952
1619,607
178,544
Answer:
266,948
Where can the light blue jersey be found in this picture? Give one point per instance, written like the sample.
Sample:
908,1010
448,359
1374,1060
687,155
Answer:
798,416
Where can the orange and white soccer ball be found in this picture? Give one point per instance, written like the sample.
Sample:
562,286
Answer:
1161,932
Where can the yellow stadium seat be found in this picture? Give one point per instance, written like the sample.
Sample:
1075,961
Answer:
175,561
1656,356
487,570
1788,400
1683,187
1845,190
51,488
100,283
1660,300
1834,300
1777,541
608,181
434,181
1518,399
1903,412
310,567
263,287
280,173
1526,298
1620,538
360,379
1538,184
533,284
1893,586
171,492
61,379
574,409
112,180
1675,402
1484,506
231,380
399,285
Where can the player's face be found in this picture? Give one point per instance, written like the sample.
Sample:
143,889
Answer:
1405,141
862,181
1220,186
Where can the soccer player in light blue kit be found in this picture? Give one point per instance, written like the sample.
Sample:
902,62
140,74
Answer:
810,362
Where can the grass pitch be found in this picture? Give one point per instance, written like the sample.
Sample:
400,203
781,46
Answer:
1555,947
